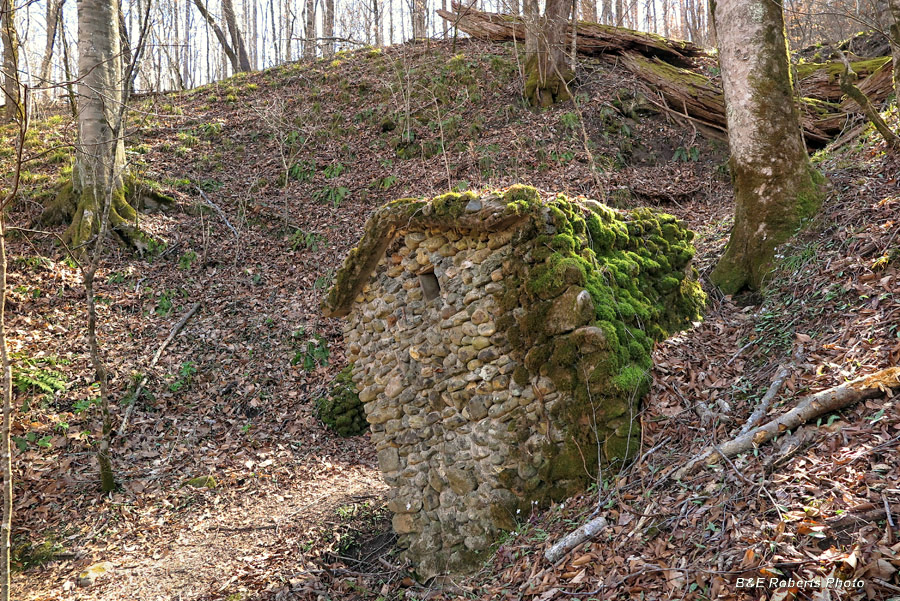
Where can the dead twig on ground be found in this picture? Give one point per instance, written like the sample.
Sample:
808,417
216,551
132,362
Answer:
137,393
812,406
218,211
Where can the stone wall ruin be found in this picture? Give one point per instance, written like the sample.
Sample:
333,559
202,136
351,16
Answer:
501,345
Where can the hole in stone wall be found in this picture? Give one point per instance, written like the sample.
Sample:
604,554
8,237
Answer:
431,288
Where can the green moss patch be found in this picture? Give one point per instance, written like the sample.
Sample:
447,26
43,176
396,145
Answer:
341,410
635,267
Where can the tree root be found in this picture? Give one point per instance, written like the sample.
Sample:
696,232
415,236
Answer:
83,216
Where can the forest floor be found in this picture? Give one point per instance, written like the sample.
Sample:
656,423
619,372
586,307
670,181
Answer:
295,158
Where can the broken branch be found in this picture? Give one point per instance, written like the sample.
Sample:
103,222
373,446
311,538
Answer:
811,407
137,393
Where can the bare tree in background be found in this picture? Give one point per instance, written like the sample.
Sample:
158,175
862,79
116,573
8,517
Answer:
11,92
237,40
234,58
309,32
54,8
377,19
894,6
589,10
328,29
418,9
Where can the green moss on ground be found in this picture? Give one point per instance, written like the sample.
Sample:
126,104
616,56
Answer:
341,410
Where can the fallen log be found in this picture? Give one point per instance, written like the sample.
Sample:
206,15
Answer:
670,70
822,80
811,407
848,76
585,532
594,39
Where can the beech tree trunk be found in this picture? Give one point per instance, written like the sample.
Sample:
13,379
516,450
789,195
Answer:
547,73
100,154
11,95
775,188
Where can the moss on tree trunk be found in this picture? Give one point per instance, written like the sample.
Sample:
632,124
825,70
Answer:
547,75
775,188
82,211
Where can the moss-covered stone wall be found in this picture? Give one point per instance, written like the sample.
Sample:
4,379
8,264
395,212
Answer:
515,379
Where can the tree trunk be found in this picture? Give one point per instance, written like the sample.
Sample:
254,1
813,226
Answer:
273,21
378,21
226,47
665,18
391,22
187,74
237,40
124,44
309,44
589,10
606,12
775,188
328,29
99,97
895,46
67,70
289,30
11,90
5,447
53,10
254,33
547,75
418,18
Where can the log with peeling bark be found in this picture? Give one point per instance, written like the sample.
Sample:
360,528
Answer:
811,407
822,80
594,39
669,70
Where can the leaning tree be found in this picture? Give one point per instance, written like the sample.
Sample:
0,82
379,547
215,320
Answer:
775,187
547,74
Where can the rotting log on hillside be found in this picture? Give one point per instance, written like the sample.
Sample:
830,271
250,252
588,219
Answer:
822,80
671,71
594,39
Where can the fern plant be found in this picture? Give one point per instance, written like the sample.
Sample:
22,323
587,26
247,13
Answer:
33,375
